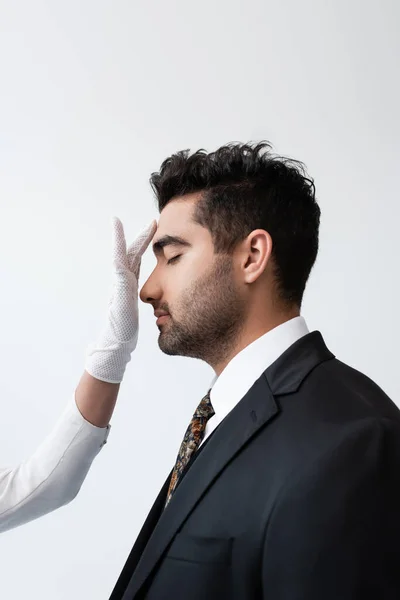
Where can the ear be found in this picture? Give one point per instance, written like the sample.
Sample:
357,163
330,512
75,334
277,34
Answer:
257,250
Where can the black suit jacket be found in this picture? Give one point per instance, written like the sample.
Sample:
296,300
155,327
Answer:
296,496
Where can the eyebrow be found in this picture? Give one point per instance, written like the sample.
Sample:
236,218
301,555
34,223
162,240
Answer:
169,240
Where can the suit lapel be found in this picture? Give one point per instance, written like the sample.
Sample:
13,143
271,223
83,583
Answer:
146,531
257,408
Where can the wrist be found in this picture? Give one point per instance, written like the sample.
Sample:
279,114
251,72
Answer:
108,364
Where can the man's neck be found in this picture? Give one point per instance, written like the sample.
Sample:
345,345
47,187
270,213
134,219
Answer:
252,332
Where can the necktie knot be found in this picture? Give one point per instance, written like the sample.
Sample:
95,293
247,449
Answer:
205,409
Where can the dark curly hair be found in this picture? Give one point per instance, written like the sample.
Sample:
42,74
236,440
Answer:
245,187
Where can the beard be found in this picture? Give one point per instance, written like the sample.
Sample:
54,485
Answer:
208,318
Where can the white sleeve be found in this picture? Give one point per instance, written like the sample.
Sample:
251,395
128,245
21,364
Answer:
53,475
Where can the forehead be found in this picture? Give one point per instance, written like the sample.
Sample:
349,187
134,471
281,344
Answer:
176,218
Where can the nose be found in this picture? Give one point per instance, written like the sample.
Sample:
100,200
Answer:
151,291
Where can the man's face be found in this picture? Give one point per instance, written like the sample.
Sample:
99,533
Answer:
194,285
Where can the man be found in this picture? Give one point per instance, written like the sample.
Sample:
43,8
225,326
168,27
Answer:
287,482
53,475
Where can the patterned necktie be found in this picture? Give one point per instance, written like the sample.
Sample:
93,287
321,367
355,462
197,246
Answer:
192,440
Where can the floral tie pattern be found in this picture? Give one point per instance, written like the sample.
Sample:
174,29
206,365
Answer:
192,440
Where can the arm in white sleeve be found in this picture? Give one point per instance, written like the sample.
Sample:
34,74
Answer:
53,475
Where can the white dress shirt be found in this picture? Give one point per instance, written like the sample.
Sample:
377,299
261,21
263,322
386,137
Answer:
247,366
53,475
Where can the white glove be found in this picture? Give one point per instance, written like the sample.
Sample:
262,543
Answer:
107,359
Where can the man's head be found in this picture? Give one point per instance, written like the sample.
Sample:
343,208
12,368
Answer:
247,227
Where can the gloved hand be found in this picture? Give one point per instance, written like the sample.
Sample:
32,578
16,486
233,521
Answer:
107,359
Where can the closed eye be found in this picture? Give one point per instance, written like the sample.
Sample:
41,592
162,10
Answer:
174,259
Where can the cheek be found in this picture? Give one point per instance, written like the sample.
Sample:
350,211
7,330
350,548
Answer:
177,281
180,278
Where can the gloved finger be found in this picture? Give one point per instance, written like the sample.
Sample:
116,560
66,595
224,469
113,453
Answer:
139,246
119,245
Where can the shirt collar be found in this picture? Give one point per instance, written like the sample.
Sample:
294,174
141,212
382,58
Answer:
247,366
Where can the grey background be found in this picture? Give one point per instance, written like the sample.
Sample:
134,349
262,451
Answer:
93,96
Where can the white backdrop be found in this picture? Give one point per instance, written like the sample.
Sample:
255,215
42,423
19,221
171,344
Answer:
94,94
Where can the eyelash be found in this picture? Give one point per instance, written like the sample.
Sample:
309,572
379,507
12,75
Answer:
172,260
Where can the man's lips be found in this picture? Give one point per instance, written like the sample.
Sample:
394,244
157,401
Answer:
161,319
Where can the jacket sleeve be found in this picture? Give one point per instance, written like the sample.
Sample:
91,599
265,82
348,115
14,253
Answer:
53,475
335,529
